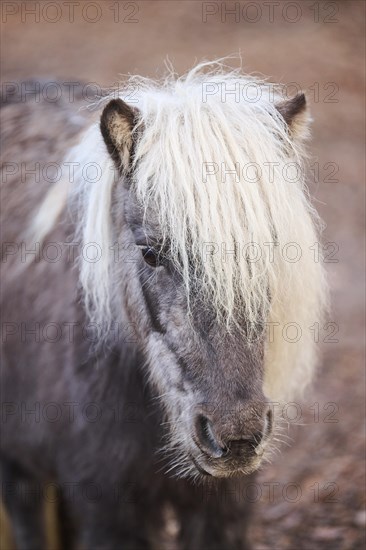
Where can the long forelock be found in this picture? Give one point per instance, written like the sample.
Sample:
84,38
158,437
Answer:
190,170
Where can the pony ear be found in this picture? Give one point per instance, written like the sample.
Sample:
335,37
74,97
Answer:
116,124
296,115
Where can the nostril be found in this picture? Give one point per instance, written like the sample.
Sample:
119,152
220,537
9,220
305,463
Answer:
206,437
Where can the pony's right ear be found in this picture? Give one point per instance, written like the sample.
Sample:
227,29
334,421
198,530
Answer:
116,124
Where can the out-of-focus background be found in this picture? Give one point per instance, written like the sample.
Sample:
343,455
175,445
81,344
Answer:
312,496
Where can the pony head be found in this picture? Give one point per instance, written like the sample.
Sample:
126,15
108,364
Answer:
203,197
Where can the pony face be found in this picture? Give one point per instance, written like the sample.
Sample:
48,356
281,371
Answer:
210,318
208,377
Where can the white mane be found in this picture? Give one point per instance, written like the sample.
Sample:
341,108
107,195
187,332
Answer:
193,131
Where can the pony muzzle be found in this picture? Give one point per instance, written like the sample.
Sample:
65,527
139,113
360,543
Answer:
231,441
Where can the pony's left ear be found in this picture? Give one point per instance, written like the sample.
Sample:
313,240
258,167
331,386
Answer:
116,124
295,113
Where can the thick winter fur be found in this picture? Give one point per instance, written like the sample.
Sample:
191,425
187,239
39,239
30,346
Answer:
200,181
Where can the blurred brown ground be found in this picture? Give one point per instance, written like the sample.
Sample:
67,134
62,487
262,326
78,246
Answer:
306,52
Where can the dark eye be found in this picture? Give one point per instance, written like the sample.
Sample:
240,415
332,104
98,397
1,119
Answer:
150,255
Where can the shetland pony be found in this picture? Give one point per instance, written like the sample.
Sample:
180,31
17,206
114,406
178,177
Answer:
157,300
